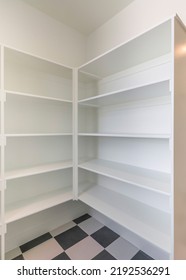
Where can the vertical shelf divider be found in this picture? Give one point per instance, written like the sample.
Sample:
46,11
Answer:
75,133
3,142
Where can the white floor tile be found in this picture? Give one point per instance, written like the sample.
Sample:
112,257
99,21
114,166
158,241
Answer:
86,249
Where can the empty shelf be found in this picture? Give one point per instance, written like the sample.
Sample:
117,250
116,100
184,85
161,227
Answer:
34,205
148,223
127,135
154,90
37,169
144,178
37,96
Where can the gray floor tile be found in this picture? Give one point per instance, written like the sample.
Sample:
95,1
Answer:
35,242
90,225
82,218
70,237
104,255
141,256
105,236
62,256
122,249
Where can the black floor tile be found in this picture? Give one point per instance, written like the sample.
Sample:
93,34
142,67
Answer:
29,245
82,218
70,237
62,256
104,255
20,257
105,236
141,256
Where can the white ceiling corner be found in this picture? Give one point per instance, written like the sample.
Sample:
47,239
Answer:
82,15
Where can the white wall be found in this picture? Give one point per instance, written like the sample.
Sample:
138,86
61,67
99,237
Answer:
139,16
30,30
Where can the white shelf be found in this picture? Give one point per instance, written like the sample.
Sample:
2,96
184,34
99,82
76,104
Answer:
34,205
160,88
36,134
126,135
140,49
37,96
37,170
133,215
141,177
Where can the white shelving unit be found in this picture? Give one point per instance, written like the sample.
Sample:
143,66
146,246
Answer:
126,133
110,134
36,135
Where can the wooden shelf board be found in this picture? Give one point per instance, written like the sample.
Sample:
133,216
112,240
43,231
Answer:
37,170
109,203
25,208
148,179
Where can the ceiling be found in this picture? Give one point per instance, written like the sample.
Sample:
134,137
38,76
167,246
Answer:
83,15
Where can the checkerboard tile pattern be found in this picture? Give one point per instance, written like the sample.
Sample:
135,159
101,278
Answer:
82,239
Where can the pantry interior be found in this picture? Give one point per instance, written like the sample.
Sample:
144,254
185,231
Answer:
100,133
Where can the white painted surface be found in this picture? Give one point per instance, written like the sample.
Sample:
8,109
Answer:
139,16
179,143
26,229
146,110
143,178
25,28
148,223
82,15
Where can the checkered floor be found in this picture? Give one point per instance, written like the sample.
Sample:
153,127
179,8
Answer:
82,239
